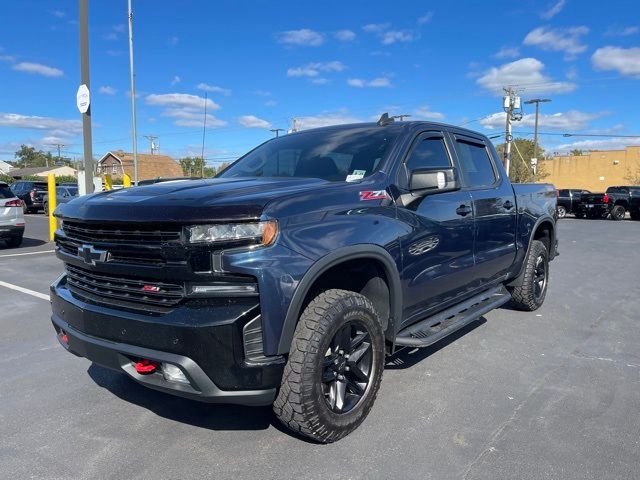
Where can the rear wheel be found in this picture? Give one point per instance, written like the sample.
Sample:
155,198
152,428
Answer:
562,212
334,368
14,242
618,212
531,294
45,207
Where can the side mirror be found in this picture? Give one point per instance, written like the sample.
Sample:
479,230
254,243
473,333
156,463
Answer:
433,180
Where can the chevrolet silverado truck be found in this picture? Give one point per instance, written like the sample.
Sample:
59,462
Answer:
288,278
614,203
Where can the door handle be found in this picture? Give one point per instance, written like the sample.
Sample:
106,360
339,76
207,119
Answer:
508,205
463,210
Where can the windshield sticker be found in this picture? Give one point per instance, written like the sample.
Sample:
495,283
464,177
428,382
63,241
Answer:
356,175
373,195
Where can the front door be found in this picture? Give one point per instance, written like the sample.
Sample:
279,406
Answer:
437,253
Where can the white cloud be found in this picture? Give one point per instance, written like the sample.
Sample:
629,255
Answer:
251,121
114,53
507,52
172,41
375,27
107,90
526,72
304,37
58,13
270,103
570,120
54,126
553,10
114,32
38,69
567,40
601,144
120,28
192,118
345,35
175,80
379,82
624,60
319,81
393,36
181,100
426,18
426,113
325,119
214,89
619,31
7,58
261,93
314,69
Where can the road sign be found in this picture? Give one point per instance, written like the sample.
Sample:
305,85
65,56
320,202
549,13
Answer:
83,98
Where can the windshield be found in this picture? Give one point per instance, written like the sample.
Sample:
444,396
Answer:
341,154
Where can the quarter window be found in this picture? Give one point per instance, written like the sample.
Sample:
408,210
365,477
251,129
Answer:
477,165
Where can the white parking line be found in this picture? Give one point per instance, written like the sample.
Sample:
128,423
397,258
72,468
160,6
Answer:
24,290
27,253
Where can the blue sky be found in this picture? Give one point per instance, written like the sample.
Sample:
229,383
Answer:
264,63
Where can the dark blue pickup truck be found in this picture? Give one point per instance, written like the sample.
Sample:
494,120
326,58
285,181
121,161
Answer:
288,278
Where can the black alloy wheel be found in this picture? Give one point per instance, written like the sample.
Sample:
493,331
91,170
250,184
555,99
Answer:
347,367
540,278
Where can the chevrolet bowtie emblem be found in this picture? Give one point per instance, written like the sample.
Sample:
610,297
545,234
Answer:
91,255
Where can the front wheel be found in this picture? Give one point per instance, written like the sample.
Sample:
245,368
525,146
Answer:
530,295
562,212
618,212
334,369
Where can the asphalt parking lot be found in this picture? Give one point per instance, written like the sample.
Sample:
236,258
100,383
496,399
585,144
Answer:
550,394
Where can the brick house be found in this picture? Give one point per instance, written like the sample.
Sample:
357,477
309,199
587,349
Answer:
149,166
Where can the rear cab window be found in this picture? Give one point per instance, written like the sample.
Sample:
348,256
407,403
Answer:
475,161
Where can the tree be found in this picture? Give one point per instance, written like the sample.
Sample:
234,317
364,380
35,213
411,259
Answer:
30,157
576,152
191,166
633,177
520,170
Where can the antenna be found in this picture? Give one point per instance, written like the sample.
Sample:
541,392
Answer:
385,119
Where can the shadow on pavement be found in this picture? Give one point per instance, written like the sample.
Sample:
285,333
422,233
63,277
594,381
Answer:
408,356
26,242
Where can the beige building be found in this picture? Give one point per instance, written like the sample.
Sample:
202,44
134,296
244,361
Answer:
149,166
62,171
595,170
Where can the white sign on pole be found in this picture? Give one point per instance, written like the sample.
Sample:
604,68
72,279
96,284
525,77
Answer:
83,98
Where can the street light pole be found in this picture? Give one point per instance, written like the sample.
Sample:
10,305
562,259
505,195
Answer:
134,133
537,101
84,79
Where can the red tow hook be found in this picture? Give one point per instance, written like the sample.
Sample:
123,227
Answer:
145,366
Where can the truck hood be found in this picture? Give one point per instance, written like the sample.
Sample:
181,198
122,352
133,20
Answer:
185,201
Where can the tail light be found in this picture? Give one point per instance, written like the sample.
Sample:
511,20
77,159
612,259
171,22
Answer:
13,203
605,199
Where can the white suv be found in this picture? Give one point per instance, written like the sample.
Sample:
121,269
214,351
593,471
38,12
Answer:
11,217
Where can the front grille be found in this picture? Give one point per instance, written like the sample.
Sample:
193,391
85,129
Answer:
150,235
125,292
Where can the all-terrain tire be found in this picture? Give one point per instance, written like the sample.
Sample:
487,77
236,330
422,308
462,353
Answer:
301,404
562,212
618,212
530,295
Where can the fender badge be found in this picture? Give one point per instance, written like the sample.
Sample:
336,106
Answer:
373,195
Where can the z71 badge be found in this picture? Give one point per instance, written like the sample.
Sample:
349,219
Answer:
373,195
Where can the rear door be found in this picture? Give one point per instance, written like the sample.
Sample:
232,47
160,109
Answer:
494,207
437,253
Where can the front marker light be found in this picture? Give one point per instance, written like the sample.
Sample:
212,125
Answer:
262,233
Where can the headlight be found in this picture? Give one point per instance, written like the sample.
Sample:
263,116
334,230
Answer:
259,233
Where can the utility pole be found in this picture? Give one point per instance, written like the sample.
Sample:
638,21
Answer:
513,109
204,131
152,145
534,160
401,117
84,79
134,133
277,131
58,146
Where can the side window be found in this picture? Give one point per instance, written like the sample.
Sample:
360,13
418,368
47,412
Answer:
476,163
430,152
563,193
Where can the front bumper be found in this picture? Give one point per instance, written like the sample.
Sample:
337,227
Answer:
205,342
11,231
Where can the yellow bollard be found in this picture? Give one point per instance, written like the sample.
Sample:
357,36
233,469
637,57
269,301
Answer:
126,181
51,190
108,184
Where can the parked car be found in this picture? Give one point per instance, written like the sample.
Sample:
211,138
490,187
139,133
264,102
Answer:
31,193
568,200
288,278
614,203
64,194
11,217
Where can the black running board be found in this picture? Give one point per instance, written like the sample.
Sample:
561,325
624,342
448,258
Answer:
430,330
